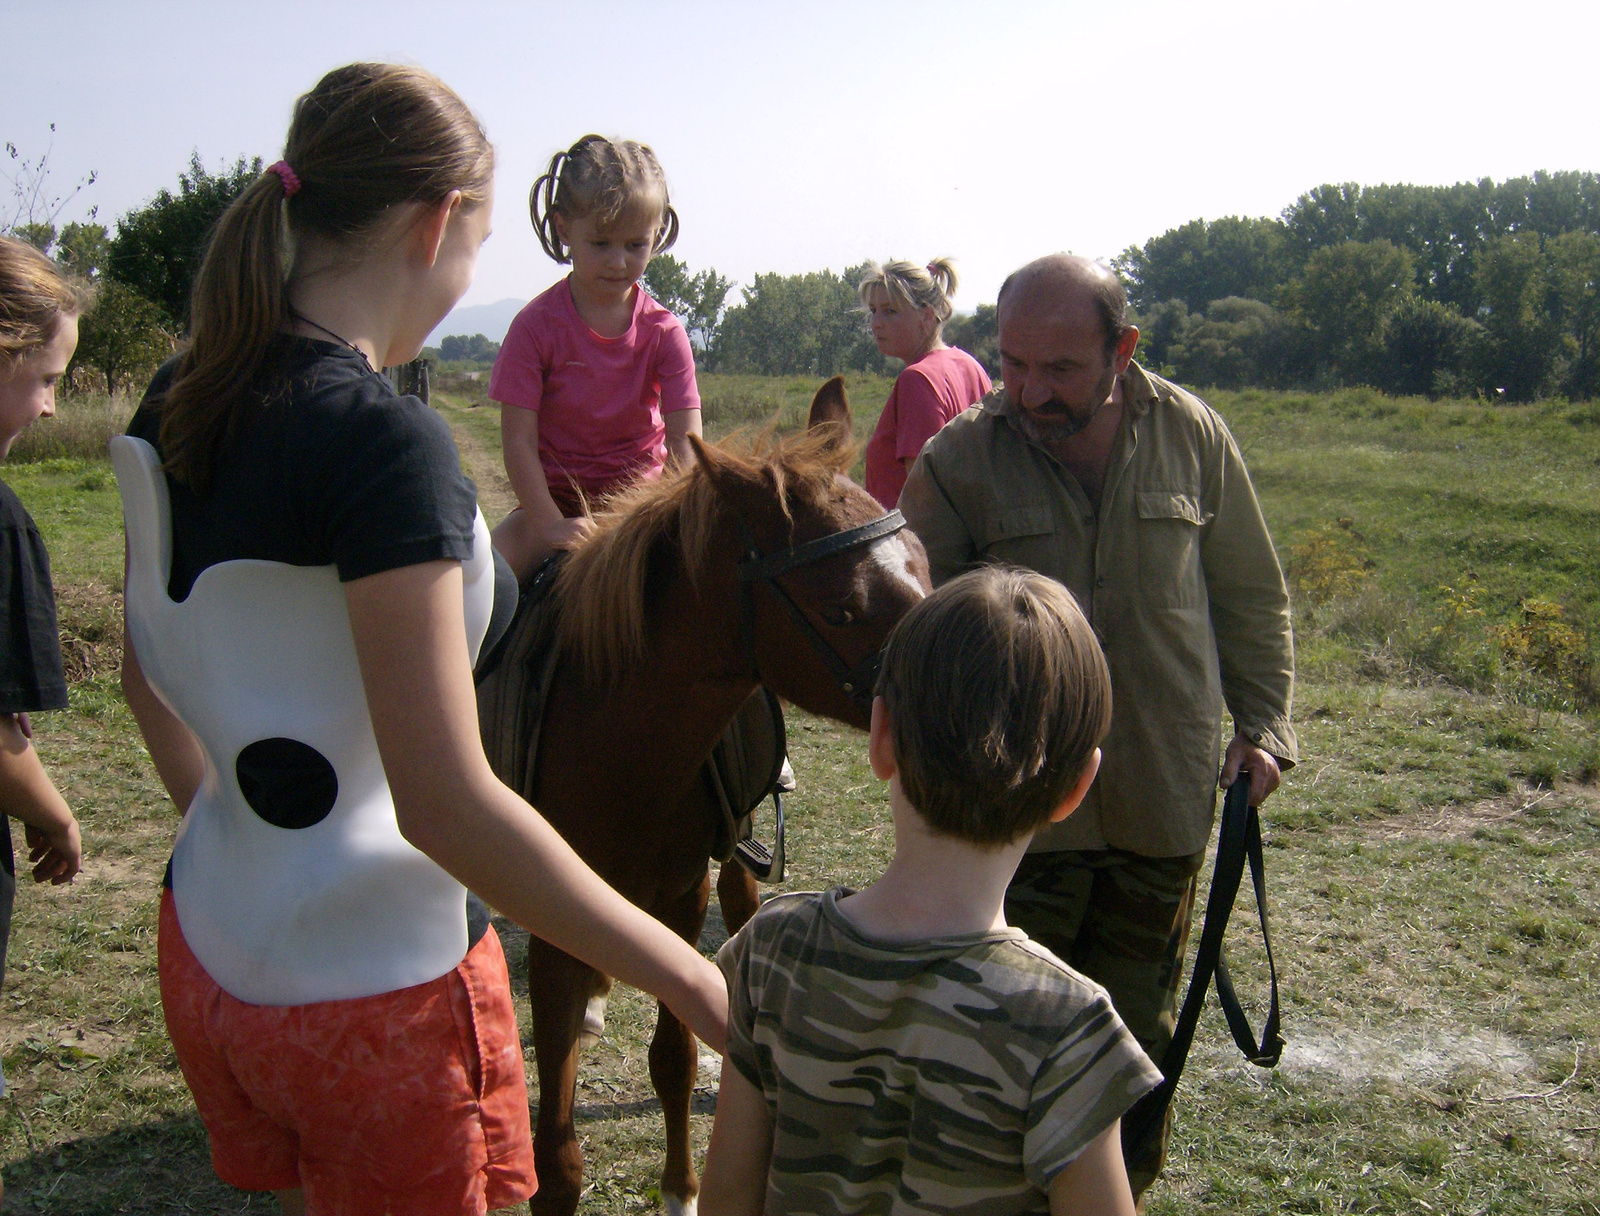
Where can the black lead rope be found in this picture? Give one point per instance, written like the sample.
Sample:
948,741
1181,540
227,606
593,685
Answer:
1239,841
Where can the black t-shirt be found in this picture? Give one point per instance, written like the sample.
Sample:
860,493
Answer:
30,655
333,467
30,646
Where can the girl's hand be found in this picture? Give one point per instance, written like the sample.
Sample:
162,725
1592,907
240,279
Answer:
561,533
56,856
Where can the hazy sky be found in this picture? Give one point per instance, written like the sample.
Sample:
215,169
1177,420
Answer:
802,135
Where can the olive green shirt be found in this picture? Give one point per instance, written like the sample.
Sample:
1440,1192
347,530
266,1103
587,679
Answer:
1175,571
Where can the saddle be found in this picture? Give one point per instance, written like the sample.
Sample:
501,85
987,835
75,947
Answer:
745,766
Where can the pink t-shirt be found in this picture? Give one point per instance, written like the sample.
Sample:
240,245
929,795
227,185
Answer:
927,394
600,400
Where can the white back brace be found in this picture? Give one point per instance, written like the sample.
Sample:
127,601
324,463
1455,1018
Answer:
290,877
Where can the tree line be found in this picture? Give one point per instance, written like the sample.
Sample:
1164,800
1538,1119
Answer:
1479,287
142,271
1429,290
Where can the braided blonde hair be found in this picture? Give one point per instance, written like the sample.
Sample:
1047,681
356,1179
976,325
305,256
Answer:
599,178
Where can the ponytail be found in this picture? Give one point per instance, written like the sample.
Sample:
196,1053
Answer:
913,286
542,207
240,300
368,138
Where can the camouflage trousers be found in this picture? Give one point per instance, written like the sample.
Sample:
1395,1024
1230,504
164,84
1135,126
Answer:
1123,921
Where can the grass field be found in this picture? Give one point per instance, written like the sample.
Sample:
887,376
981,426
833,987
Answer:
1434,862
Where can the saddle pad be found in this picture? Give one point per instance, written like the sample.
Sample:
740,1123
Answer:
514,680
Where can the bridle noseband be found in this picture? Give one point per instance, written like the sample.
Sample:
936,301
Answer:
857,682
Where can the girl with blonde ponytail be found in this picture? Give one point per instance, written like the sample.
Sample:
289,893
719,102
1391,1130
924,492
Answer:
308,581
908,306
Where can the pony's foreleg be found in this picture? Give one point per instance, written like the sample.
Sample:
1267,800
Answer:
673,1066
737,895
559,987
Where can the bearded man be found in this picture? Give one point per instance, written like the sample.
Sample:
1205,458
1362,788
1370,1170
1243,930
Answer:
1132,493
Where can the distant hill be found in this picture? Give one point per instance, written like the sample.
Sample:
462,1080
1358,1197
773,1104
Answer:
490,320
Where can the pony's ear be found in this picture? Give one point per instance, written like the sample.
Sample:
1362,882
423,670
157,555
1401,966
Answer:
703,453
830,405
725,472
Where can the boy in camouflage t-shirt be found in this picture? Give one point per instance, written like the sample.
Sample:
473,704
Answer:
901,1049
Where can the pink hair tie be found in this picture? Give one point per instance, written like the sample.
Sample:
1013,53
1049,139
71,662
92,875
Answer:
291,181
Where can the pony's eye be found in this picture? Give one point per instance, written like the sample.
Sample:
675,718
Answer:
836,614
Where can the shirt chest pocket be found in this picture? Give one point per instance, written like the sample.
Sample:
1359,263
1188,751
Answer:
1169,529
1021,536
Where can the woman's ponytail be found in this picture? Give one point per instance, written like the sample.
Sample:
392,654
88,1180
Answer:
369,137
240,300
912,286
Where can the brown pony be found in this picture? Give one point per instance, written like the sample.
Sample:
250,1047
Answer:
660,643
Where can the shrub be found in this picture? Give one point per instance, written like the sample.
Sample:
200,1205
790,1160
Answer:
82,429
1329,563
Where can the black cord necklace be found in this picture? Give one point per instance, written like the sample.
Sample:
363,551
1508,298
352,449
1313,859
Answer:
305,320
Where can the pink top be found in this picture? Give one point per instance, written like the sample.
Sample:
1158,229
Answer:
927,394
600,400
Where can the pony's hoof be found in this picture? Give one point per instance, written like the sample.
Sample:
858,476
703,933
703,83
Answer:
594,1025
673,1206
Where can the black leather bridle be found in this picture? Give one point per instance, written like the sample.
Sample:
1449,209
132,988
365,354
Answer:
757,567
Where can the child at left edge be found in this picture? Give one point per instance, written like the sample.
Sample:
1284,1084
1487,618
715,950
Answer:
39,309
595,380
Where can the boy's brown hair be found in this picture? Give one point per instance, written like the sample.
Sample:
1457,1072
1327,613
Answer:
997,695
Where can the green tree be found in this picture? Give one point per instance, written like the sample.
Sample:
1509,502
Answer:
158,247
1522,340
1575,270
1428,349
978,333
1344,297
797,325
1163,326
84,249
1237,342
695,299
459,348
1201,262
123,337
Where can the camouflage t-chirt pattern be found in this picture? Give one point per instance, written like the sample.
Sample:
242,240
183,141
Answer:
955,1074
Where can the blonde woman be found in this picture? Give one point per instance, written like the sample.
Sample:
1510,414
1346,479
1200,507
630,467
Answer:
908,306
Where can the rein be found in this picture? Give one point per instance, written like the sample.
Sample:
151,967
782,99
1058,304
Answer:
1238,843
857,682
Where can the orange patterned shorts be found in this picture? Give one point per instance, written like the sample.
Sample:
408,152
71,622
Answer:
407,1102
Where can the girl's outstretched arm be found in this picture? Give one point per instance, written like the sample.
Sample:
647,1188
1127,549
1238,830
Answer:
527,538
740,1155
1096,1184
408,629
680,425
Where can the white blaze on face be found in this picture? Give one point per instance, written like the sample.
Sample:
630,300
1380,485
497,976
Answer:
893,556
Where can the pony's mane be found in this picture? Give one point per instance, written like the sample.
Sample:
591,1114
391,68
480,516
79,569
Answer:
603,583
